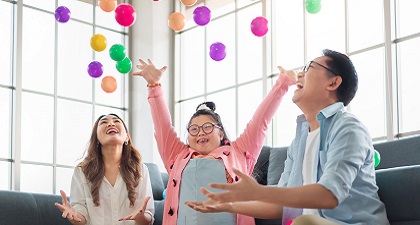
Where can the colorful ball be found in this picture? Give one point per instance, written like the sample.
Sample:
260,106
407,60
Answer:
217,51
107,5
176,21
377,158
124,66
109,84
313,6
125,15
95,69
259,26
188,2
164,194
62,14
117,52
202,15
98,42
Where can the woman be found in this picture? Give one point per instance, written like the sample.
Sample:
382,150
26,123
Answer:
207,139
111,184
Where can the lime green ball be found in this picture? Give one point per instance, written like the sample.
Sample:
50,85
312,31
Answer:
377,158
313,6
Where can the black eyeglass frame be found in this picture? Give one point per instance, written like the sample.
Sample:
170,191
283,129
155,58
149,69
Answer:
306,67
201,127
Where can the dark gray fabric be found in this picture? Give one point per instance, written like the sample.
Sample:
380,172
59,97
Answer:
27,208
399,189
402,152
48,213
156,180
276,165
261,166
159,205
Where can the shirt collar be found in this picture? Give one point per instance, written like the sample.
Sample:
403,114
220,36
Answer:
324,113
330,111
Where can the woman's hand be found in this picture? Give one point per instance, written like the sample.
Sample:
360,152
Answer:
67,210
149,72
140,216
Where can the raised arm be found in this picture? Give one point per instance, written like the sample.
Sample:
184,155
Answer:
252,138
169,145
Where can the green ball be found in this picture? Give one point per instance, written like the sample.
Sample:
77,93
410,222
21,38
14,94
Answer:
313,6
124,66
377,158
117,52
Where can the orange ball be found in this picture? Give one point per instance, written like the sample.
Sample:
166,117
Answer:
109,84
176,21
107,5
188,2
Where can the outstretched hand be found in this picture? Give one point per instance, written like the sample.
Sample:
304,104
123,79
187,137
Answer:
149,71
209,206
246,189
139,216
67,209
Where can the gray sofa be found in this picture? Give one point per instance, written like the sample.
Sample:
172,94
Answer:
398,178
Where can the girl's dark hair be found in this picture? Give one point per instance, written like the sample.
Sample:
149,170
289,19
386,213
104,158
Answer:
94,169
342,65
208,108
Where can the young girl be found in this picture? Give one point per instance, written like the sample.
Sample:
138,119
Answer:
111,184
206,140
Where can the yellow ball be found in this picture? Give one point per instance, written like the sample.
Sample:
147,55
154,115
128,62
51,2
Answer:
98,42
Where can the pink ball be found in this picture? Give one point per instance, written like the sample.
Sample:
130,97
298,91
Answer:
125,15
290,222
259,26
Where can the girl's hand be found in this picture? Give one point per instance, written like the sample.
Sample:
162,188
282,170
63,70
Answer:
149,72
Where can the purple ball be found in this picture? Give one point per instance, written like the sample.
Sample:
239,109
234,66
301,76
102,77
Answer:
202,15
217,51
95,69
62,14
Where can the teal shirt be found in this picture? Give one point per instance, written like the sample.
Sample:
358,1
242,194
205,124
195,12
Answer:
344,165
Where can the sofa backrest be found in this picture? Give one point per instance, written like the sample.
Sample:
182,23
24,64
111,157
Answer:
270,165
401,152
156,179
28,208
399,190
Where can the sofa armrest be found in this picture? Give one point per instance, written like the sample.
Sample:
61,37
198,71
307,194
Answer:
399,189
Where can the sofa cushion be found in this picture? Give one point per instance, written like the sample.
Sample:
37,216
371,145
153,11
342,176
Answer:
276,165
399,189
401,152
261,166
156,180
48,213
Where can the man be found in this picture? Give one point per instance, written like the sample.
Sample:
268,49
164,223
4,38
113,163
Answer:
329,175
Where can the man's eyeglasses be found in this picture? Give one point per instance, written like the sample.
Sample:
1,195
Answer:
306,68
207,128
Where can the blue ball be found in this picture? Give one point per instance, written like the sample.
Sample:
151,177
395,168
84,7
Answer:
164,194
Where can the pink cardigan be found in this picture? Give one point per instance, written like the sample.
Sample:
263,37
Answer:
241,154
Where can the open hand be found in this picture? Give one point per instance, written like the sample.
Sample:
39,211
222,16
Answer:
246,189
209,206
149,71
139,215
67,209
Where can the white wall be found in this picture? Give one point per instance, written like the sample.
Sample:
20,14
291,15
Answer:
150,37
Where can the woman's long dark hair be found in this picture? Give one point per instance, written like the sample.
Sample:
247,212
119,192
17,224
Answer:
94,169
